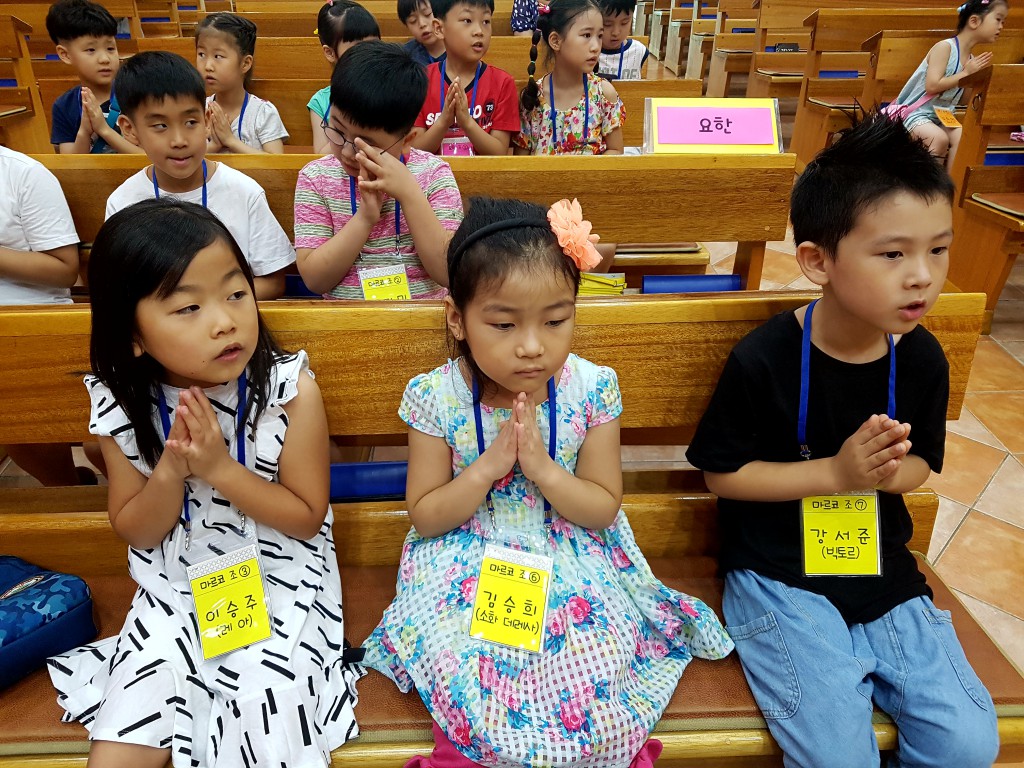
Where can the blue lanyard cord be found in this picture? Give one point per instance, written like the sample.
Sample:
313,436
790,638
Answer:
241,115
622,53
165,420
805,381
156,186
554,114
398,206
476,82
552,436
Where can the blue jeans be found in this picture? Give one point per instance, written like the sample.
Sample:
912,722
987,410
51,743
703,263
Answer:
815,677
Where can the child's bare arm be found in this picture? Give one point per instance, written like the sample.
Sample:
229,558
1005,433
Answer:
57,267
437,502
296,505
321,144
867,459
613,141
935,80
429,139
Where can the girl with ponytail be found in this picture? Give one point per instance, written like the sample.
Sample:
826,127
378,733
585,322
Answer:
570,111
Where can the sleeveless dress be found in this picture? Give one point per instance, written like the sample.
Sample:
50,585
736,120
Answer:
915,90
286,701
616,640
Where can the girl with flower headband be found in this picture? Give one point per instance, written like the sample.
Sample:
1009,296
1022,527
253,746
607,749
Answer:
570,111
515,479
927,100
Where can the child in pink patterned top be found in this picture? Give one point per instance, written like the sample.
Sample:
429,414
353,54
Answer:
373,218
570,111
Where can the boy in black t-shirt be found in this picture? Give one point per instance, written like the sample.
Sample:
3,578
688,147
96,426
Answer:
822,418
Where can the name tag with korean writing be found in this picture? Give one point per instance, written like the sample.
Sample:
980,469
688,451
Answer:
731,126
511,598
947,118
841,535
384,283
231,601
457,147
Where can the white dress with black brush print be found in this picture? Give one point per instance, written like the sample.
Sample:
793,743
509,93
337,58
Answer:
287,701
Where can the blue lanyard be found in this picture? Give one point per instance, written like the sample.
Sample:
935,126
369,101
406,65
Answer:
586,109
805,381
552,435
156,187
622,53
476,82
355,207
241,115
165,420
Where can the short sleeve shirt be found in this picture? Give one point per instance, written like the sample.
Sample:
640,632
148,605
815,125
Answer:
625,63
66,116
261,123
323,206
493,101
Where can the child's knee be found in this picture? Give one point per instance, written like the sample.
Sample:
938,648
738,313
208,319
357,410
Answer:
967,742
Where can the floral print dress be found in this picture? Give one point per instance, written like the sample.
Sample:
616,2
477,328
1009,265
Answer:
537,135
615,642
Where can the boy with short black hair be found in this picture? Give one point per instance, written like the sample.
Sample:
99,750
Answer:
375,213
622,58
471,108
163,109
84,118
425,47
828,609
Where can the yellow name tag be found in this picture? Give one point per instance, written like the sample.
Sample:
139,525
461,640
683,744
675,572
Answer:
231,601
841,535
384,283
511,598
947,118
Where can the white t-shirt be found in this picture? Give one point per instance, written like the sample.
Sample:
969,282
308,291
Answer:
237,200
34,216
261,123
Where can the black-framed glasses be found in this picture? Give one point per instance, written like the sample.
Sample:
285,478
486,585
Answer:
338,139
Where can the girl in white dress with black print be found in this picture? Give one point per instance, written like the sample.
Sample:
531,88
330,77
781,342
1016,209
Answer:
217,452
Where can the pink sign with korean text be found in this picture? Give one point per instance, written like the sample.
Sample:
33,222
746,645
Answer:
732,126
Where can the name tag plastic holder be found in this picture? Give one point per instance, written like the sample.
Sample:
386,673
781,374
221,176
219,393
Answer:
231,600
947,118
511,601
841,535
388,283
459,146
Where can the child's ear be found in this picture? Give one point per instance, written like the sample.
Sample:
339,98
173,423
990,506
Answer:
453,317
62,52
438,28
330,54
137,349
246,63
554,41
128,130
407,141
814,262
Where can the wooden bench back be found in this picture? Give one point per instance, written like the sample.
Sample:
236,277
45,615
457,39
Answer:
22,125
846,29
685,198
302,58
34,14
668,353
379,8
301,24
291,96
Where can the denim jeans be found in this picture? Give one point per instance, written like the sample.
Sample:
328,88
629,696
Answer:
815,678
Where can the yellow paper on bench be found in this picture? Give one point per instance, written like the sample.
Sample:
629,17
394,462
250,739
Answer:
511,598
841,535
714,135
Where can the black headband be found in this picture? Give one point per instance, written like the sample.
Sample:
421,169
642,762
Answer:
490,229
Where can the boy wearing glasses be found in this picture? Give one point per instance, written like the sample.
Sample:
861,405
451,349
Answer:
373,218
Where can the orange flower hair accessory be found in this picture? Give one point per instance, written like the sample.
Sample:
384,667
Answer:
573,233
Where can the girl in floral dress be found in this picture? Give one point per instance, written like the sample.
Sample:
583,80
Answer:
514,460
570,111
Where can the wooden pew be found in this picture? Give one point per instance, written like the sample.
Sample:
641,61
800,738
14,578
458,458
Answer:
291,96
379,8
668,353
781,21
22,120
893,57
686,197
642,16
677,36
702,41
303,58
301,23
136,11
978,259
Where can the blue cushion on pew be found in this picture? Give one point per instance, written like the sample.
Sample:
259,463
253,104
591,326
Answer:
155,19
845,74
366,481
294,288
42,613
1010,157
743,30
689,283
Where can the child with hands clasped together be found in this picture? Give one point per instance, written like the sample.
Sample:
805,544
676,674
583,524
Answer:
514,461
216,448
808,444
375,212
238,121
571,111
927,100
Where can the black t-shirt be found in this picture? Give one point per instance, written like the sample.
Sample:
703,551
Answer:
753,417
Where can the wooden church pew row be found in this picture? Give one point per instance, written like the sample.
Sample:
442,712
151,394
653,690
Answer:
22,122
